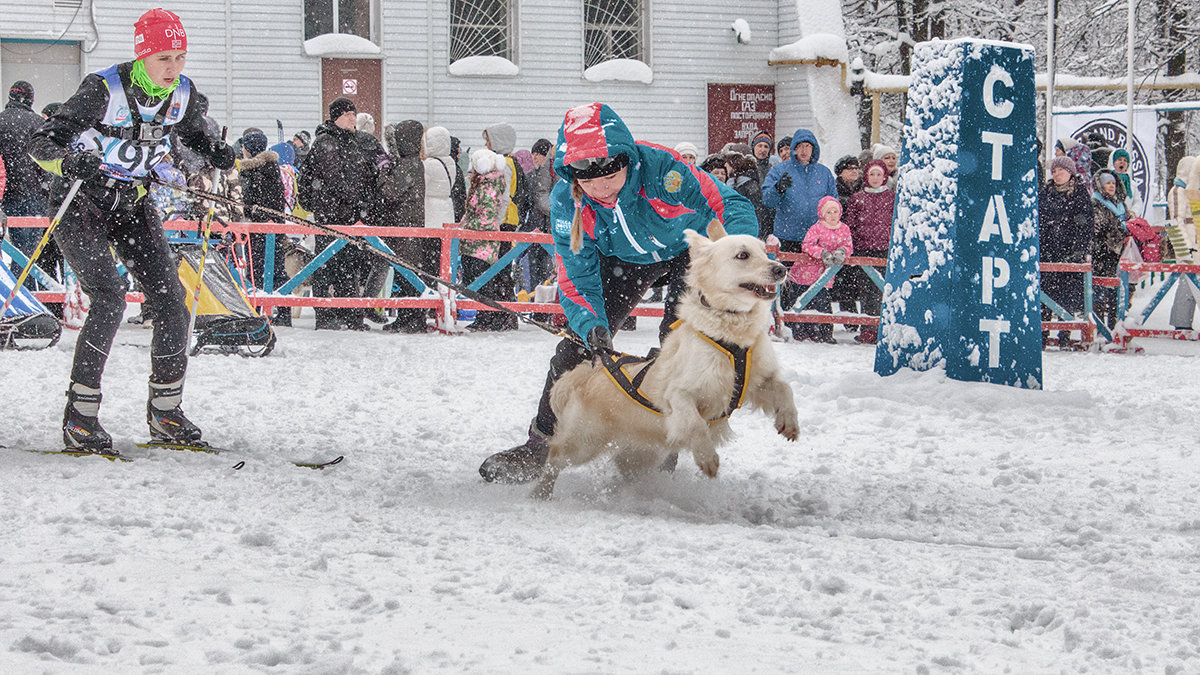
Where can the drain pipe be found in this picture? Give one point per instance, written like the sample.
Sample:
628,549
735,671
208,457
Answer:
228,62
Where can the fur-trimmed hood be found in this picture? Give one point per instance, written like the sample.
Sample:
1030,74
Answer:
260,160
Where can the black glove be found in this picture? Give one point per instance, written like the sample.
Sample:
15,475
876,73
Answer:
784,182
222,155
599,340
839,256
827,258
81,166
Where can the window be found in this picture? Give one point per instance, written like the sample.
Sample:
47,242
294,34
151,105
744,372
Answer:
481,28
349,17
613,29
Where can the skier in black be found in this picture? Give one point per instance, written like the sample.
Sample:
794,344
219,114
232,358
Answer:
95,140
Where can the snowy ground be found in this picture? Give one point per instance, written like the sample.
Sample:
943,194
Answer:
919,525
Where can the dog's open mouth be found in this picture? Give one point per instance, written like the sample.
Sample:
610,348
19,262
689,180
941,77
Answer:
764,292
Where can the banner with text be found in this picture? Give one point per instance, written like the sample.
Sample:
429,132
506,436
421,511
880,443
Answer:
738,111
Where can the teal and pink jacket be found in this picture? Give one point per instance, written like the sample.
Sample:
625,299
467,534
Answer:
662,197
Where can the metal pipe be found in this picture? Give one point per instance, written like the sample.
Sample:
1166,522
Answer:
1129,37
1051,21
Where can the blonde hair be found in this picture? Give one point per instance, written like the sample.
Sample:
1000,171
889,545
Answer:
577,223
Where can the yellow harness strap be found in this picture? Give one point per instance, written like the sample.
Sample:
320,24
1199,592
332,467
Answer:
739,360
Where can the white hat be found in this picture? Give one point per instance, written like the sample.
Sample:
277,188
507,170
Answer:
686,148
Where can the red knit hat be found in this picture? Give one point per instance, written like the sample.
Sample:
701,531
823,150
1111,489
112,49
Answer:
157,31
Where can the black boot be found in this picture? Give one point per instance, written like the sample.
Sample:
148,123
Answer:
167,422
282,316
520,464
81,426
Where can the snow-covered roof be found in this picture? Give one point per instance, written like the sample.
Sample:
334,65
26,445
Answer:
884,82
817,46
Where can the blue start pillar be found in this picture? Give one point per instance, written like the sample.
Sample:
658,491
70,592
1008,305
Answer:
962,289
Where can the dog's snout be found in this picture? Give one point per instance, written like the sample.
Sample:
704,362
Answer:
778,271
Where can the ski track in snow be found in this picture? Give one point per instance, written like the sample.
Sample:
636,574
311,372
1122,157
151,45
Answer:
918,524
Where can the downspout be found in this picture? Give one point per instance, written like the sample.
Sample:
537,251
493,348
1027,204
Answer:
429,60
228,61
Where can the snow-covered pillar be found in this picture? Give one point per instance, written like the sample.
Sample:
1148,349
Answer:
834,113
962,289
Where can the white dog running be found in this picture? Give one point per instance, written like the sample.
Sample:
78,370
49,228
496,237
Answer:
717,358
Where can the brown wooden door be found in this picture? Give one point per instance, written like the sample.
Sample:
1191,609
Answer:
360,80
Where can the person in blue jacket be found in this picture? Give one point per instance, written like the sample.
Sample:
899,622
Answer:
618,217
794,187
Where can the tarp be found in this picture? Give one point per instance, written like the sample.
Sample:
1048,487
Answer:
23,303
26,323
225,319
221,295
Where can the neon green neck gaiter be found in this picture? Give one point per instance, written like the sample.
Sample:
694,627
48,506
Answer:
141,78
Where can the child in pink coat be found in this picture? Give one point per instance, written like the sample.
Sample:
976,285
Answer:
827,244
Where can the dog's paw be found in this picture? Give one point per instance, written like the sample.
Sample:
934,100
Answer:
708,461
788,427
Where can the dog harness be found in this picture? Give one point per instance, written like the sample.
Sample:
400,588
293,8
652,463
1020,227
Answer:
739,359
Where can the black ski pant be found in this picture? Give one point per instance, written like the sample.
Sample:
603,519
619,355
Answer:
424,253
124,219
624,285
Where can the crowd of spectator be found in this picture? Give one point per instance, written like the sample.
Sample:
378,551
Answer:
417,177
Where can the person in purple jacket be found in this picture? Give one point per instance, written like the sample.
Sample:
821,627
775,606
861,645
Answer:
618,215
869,217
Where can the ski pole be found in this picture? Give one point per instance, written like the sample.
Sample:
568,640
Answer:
206,231
42,244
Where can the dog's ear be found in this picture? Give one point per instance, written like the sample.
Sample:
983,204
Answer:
715,230
694,239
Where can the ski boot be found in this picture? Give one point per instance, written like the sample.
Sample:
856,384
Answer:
81,425
168,424
520,464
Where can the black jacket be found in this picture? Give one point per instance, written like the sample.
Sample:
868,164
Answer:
337,181
1065,222
262,185
17,124
86,107
458,193
401,179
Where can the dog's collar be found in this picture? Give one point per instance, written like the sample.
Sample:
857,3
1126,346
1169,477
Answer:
704,303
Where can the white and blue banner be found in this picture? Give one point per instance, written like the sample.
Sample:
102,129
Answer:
1113,125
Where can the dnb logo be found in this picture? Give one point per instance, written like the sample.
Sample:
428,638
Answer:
1113,134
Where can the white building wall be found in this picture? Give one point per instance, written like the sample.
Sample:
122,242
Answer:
794,104
41,20
691,45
